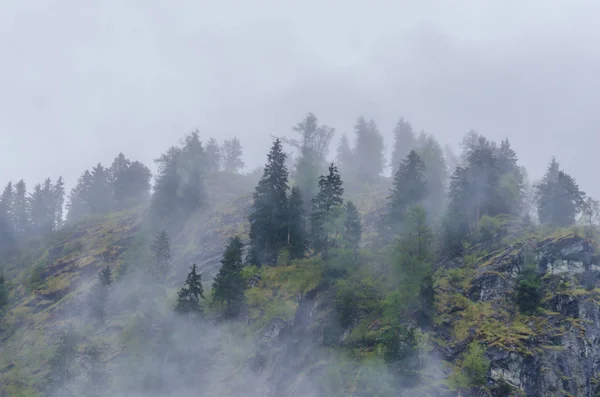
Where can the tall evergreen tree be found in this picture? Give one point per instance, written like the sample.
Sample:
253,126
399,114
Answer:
404,143
188,297
232,156
194,162
457,221
100,194
59,202
409,189
99,295
161,256
297,235
559,197
228,284
62,362
345,158
20,211
269,217
37,209
352,231
213,156
436,175
7,238
96,377
6,201
165,200
327,207
78,206
369,150
511,183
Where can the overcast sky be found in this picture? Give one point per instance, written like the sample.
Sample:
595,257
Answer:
82,80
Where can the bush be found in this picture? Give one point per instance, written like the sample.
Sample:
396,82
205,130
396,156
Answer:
471,369
529,294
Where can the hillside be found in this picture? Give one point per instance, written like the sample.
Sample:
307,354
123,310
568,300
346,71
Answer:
290,333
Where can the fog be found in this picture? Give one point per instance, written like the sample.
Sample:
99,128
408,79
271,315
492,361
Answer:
80,82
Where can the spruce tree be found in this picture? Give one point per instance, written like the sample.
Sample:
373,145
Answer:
232,156
37,210
327,207
368,150
436,175
213,156
78,206
269,217
345,158
404,143
7,238
99,295
161,256
457,223
20,211
297,237
100,195
559,197
166,197
6,201
352,230
228,285
188,297
194,163
511,183
59,202
410,188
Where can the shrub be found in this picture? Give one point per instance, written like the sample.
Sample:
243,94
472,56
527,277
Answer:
471,369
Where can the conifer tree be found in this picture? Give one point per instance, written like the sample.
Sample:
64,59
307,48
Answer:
100,195
345,158
409,189
436,175
327,207
37,210
59,202
20,211
105,277
404,143
48,222
161,256
559,197
6,201
511,182
96,376
269,217
188,297
297,236
78,206
228,285
194,163
3,293
232,156
7,238
352,231
414,253
368,150
165,200
213,156
457,224
99,295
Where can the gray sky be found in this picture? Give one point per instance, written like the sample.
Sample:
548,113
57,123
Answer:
81,81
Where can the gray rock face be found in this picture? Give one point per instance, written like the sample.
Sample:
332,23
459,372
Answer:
566,361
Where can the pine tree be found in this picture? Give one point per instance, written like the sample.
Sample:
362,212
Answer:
188,297
99,295
559,197
78,206
194,163
96,376
414,253
404,143
269,217
20,211
457,222
352,231
59,202
49,207
6,201
165,200
326,210
100,197
345,158
228,285
297,235
213,156
7,238
161,256
232,156
37,210
369,150
409,189
511,183
436,175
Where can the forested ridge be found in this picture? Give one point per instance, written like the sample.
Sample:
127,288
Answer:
315,275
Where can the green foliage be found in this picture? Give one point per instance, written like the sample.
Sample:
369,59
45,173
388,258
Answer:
161,255
297,234
228,285
529,285
327,209
471,369
357,298
352,229
36,275
188,297
270,212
